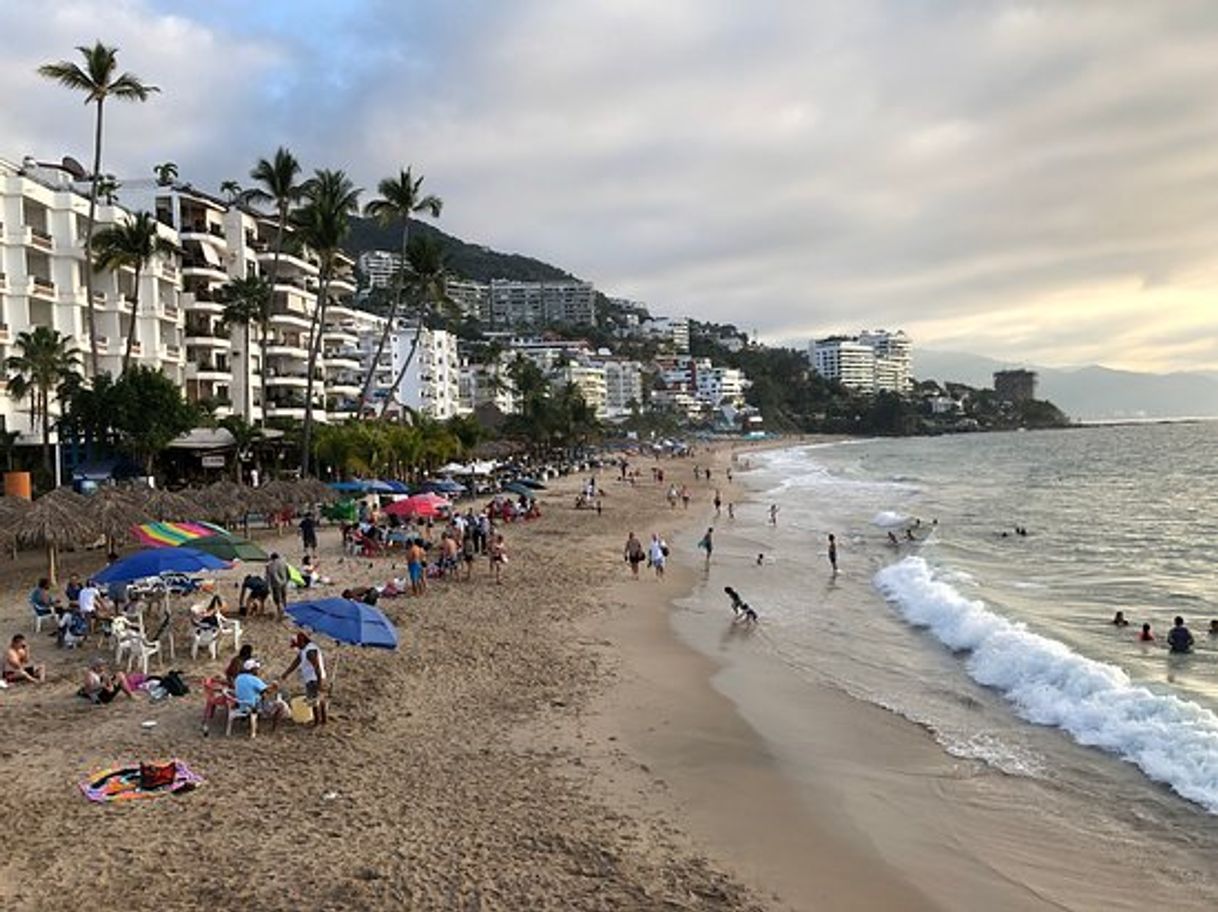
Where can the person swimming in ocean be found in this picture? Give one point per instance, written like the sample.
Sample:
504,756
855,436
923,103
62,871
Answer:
1180,638
893,540
1118,620
1146,636
740,607
760,559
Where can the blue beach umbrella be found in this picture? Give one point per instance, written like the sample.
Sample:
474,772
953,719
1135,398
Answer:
155,561
346,621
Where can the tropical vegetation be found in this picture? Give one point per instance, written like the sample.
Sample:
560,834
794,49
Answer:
98,79
44,360
132,245
247,302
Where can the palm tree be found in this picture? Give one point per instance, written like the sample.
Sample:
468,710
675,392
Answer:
133,244
166,174
400,198
276,180
98,80
232,190
107,189
322,223
45,359
245,435
428,286
248,300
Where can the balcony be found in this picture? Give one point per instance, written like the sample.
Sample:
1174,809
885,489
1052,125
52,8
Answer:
343,359
202,337
290,321
285,349
41,238
40,287
289,411
172,352
3,282
4,334
192,266
297,381
195,230
170,311
209,371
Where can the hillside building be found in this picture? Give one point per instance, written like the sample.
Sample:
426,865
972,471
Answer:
870,362
1015,385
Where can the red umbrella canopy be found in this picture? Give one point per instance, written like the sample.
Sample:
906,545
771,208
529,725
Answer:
419,505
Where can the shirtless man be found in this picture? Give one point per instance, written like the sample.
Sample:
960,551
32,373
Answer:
18,666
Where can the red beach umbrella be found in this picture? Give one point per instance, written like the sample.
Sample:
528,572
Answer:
419,505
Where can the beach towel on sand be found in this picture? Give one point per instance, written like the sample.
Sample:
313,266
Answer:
142,780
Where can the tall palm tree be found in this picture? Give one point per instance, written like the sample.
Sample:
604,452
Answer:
322,224
276,183
44,360
248,300
232,190
400,198
427,284
134,244
98,80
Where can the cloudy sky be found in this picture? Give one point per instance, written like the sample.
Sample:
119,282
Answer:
1031,181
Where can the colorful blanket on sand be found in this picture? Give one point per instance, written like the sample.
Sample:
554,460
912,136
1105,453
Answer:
125,783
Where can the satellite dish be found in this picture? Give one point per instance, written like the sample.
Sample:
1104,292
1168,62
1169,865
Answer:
74,168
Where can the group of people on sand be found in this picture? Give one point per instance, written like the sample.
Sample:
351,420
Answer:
247,692
1180,639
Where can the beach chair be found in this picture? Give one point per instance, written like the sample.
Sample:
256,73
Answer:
242,711
216,695
41,613
143,648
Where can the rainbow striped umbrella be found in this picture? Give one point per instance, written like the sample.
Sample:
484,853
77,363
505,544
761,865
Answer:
172,534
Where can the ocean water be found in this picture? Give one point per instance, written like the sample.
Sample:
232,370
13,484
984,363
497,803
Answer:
1001,645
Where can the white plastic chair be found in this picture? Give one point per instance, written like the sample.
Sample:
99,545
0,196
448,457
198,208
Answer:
42,614
242,711
143,648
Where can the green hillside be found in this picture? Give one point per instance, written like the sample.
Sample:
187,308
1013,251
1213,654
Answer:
467,260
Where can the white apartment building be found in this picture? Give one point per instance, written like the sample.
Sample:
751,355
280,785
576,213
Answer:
711,385
589,378
486,384
42,227
379,268
870,362
623,386
472,298
432,384
538,303
672,333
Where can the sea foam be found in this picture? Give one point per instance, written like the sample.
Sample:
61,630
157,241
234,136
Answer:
1171,740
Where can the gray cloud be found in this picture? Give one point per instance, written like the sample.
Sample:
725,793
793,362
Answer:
1015,179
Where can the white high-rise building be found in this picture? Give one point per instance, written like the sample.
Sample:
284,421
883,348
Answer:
588,378
379,268
870,362
42,226
623,387
472,298
672,332
432,384
486,384
538,303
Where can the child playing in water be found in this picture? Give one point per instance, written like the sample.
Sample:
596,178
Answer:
739,607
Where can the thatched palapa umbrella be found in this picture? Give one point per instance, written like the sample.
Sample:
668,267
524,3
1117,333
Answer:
277,495
12,509
217,502
313,491
61,517
115,511
166,506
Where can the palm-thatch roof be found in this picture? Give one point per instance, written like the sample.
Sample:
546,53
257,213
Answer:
278,494
116,510
220,502
61,517
310,490
166,506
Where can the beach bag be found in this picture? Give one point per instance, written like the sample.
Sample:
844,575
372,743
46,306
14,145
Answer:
157,775
174,685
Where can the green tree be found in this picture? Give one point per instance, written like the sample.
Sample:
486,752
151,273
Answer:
134,245
428,288
276,183
45,359
98,79
399,199
247,300
246,436
139,414
232,190
322,224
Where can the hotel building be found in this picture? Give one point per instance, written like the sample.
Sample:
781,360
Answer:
870,362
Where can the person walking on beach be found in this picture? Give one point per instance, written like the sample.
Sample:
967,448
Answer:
658,554
685,496
277,581
635,554
498,557
773,514
731,511
833,552
718,501
708,543
308,534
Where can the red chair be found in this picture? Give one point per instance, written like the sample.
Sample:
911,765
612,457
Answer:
216,693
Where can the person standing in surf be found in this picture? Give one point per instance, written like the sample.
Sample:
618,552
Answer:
708,544
833,553
773,514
